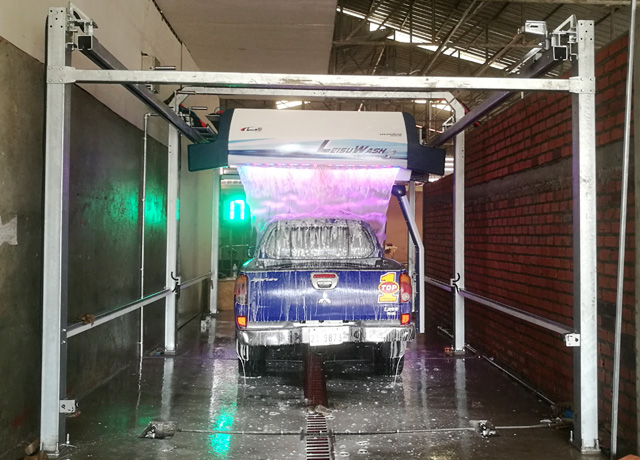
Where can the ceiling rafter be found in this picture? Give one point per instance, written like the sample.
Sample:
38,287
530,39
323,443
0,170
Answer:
471,10
573,2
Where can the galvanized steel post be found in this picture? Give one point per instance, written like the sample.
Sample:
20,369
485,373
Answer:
215,231
56,235
172,280
411,253
585,435
458,237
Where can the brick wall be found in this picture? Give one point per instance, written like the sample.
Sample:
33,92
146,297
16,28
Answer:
519,238
438,241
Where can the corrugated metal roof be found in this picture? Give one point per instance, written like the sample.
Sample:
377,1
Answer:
489,25
474,31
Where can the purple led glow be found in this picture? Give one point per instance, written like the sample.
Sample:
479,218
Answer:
318,191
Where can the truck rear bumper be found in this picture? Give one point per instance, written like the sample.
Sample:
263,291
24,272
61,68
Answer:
276,334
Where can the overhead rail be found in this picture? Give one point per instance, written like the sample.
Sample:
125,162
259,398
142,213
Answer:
63,23
83,39
557,47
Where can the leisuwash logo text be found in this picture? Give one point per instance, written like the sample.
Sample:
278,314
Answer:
358,149
251,128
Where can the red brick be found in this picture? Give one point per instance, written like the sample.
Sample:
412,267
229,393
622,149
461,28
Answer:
520,248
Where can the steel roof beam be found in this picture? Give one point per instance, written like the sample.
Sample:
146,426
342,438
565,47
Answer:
535,69
575,2
471,10
394,43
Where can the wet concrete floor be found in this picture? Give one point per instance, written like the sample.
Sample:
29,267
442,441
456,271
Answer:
201,390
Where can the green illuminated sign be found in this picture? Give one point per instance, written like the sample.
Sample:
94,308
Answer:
236,209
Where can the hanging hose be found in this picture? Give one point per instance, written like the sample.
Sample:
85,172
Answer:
623,231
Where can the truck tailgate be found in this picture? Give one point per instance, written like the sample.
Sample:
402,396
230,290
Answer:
307,295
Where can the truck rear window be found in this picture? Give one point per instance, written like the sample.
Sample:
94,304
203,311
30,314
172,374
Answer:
317,241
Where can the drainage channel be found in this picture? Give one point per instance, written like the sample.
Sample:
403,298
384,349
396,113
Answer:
319,444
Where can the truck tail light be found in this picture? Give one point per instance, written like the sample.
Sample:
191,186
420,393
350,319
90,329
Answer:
240,290
405,318
241,321
406,291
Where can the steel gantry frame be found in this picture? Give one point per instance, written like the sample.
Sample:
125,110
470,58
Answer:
62,29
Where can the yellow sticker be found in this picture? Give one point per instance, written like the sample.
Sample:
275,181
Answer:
388,288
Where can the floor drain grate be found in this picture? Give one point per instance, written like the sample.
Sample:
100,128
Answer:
319,445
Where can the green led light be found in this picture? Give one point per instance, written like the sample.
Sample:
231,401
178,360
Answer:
235,209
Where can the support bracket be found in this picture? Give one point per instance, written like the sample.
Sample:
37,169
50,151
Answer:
80,29
582,85
68,406
572,340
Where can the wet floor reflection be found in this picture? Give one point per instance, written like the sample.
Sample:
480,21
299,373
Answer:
200,389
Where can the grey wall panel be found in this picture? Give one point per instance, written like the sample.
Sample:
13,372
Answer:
21,121
155,241
103,209
104,238
104,258
195,236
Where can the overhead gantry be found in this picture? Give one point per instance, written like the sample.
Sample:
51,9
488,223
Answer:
68,29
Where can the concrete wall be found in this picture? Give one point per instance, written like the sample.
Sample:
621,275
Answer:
20,245
105,211
519,239
127,29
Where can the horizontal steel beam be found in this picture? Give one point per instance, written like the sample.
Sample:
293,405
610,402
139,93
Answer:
507,309
105,60
440,284
78,328
363,84
278,94
193,281
396,44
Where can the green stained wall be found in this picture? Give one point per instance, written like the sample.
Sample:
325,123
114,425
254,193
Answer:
105,224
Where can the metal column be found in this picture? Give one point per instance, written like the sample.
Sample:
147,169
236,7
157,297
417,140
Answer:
173,172
56,235
215,231
411,253
458,238
401,193
585,434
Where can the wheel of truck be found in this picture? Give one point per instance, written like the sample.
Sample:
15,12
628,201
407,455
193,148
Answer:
385,365
255,363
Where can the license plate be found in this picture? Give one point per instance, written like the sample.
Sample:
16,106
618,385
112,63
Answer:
326,336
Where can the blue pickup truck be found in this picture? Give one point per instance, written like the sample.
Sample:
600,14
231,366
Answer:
322,282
